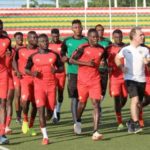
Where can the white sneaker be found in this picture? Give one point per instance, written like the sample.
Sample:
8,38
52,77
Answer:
97,136
8,130
77,128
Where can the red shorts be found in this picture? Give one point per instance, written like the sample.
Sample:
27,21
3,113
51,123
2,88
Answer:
147,89
45,95
3,84
27,89
118,88
16,81
92,90
60,79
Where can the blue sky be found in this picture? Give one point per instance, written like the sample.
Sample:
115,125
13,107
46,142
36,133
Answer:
17,3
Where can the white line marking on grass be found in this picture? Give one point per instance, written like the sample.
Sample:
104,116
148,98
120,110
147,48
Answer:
3,148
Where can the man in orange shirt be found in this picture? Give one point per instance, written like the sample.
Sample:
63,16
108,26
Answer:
55,45
5,44
88,57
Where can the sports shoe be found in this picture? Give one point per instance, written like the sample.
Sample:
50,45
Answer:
137,128
120,127
32,132
130,126
8,130
4,140
141,123
45,141
18,120
97,136
25,127
55,120
77,128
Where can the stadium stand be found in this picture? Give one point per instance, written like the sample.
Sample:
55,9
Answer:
43,19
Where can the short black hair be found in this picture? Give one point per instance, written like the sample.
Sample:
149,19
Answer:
117,31
18,33
42,36
99,25
76,21
55,31
1,22
92,30
32,32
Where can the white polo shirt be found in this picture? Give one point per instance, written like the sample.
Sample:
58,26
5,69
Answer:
134,62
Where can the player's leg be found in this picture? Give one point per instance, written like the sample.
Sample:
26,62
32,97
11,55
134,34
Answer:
96,117
145,102
95,95
42,119
9,110
3,99
17,98
116,92
141,92
60,89
73,94
83,96
33,109
133,90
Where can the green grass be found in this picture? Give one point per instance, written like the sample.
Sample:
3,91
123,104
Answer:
62,136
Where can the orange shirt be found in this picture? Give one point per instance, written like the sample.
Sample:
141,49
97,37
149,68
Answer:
23,55
4,45
115,72
87,74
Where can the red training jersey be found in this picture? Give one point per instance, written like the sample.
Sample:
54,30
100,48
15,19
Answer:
4,45
115,73
42,62
23,55
86,74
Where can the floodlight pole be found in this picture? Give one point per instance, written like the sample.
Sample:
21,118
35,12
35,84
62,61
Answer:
144,3
115,3
28,3
57,3
110,20
136,13
85,15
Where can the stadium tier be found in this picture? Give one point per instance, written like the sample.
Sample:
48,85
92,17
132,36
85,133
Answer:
43,19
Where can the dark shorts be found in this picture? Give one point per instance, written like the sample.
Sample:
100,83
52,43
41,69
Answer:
72,86
135,89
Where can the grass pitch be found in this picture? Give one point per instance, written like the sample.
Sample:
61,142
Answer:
63,138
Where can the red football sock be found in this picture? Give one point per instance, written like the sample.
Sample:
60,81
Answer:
8,120
2,129
141,115
25,117
31,122
119,118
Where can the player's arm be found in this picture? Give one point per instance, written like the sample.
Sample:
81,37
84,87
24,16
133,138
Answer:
103,61
118,62
28,67
147,58
59,66
15,64
9,49
77,55
63,52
